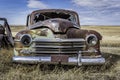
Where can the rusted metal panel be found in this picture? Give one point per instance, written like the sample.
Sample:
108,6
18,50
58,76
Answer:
80,33
56,25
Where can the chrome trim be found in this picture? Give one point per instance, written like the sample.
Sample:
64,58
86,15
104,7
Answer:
57,40
90,36
79,58
71,60
93,61
53,52
28,36
31,59
57,46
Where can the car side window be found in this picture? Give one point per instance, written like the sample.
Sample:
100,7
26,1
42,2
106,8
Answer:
72,18
39,17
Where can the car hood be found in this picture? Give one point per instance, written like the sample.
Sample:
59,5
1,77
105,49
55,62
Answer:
57,25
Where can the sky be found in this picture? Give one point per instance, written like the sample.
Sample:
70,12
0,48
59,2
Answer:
91,12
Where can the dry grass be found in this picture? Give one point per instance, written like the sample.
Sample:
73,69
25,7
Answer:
109,71
10,71
111,35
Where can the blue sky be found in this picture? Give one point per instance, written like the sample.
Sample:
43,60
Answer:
91,12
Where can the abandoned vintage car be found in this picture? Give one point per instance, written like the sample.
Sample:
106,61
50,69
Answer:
6,39
54,36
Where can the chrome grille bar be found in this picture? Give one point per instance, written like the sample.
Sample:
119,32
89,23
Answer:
57,40
58,45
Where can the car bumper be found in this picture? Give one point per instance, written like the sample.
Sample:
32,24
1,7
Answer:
71,60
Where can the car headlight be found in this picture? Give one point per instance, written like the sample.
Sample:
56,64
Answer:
26,39
91,40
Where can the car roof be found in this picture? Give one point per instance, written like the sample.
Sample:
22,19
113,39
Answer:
53,10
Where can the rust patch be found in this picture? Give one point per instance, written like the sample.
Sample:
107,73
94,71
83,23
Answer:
56,25
18,44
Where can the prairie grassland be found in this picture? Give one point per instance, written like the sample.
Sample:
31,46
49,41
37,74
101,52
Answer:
110,47
111,35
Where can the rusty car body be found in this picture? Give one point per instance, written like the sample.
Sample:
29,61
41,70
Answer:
6,39
54,36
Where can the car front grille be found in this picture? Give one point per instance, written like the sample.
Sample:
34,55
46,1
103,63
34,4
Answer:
58,45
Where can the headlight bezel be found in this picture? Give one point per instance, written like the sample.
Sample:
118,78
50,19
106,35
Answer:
22,39
91,40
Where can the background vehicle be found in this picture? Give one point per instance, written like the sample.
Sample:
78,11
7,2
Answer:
6,39
54,36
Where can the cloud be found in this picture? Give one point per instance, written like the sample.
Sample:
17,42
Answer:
36,4
98,11
97,3
101,6
88,20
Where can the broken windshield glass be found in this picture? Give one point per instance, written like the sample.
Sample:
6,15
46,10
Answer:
50,15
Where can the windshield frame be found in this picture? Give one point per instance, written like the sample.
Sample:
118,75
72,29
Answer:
55,10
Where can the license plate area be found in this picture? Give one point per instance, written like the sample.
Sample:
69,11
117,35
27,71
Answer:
59,58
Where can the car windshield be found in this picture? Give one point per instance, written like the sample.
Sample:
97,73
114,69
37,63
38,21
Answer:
50,15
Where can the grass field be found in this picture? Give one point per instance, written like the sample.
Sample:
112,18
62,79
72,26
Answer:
110,47
111,35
